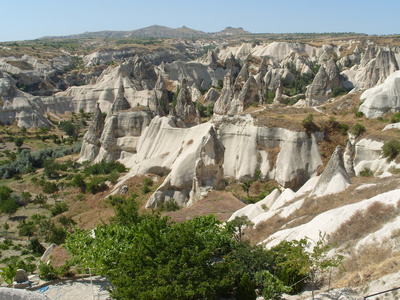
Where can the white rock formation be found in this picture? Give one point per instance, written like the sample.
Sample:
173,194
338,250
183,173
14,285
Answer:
382,98
192,156
334,178
250,148
327,78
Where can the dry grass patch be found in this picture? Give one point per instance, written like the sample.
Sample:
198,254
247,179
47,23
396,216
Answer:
362,223
312,206
368,264
220,203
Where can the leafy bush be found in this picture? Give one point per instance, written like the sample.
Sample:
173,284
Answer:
35,246
395,118
47,272
96,185
8,205
57,235
359,114
59,208
104,168
358,129
50,187
338,91
308,123
391,150
367,172
171,205
272,286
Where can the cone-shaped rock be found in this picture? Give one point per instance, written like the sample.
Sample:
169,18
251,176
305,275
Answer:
334,179
120,103
91,140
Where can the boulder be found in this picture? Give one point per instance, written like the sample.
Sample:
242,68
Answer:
334,178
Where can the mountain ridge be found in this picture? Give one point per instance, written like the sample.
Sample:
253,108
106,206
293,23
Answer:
156,31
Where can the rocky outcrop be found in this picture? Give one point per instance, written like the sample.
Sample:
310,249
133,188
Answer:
382,98
237,97
327,78
334,179
376,65
348,158
17,106
288,157
185,108
223,103
211,96
91,140
196,170
118,139
120,103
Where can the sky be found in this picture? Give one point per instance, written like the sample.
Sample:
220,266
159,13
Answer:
32,19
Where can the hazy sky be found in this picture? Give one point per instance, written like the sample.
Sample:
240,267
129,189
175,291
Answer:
31,19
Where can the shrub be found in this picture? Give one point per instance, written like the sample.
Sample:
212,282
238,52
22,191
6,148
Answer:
96,185
308,123
35,246
18,142
171,205
59,208
395,118
343,128
57,235
47,272
145,189
272,287
79,181
50,187
358,129
113,177
367,172
391,150
338,91
359,114
104,168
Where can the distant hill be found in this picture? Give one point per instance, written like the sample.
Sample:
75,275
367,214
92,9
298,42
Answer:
155,31
232,31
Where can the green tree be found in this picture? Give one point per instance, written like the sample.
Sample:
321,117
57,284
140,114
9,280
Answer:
69,128
246,186
27,228
8,205
79,181
236,226
18,142
40,200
